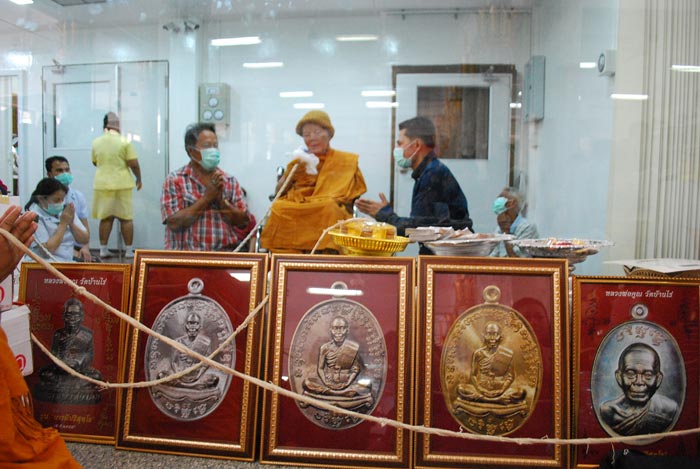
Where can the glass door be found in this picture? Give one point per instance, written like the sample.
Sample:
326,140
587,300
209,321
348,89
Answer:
76,98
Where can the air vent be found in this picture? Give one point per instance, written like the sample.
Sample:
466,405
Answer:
72,3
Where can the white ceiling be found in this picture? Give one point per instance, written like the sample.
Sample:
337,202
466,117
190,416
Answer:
46,14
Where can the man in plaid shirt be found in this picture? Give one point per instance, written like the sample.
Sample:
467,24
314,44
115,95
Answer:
203,208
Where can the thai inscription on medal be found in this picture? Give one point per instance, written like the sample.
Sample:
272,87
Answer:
491,368
199,323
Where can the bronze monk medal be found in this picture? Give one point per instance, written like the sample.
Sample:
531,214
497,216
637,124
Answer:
338,356
200,324
491,368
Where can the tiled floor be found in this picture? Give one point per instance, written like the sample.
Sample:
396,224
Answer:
104,456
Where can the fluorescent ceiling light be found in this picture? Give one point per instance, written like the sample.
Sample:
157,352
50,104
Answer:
516,105
381,104
309,105
20,59
587,65
296,94
22,2
686,68
263,64
333,291
236,41
357,38
378,93
630,97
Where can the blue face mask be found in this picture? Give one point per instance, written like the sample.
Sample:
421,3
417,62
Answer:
65,178
400,158
210,158
55,209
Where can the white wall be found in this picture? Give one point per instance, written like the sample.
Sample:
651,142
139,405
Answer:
262,129
569,150
567,153
263,124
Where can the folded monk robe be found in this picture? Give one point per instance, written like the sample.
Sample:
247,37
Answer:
313,203
23,441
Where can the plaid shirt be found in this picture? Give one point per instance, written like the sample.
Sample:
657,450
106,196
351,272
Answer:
209,232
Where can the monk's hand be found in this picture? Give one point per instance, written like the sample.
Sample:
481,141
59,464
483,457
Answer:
21,227
371,207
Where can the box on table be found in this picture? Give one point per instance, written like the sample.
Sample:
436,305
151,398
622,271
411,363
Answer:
15,323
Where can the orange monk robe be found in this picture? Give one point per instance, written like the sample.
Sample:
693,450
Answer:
23,441
313,203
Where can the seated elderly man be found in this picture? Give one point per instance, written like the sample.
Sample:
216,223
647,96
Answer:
315,198
203,207
507,207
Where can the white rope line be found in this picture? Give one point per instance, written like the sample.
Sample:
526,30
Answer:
326,406
145,384
287,180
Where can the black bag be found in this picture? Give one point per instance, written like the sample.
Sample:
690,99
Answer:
632,459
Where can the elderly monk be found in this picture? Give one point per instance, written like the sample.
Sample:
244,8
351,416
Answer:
23,441
313,202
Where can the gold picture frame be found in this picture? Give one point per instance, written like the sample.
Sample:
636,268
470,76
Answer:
619,317
492,359
340,331
79,410
197,299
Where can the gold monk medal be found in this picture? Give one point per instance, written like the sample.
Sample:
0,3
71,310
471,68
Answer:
491,368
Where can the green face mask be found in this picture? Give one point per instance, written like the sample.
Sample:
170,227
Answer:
400,157
65,178
54,209
210,158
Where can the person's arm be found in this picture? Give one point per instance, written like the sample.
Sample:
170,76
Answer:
232,215
522,231
54,239
21,226
388,215
84,250
178,220
136,169
234,210
373,207
80,233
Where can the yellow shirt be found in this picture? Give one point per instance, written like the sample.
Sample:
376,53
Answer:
110,153
313,203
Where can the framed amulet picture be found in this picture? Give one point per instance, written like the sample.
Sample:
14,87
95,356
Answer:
197,300
340,337
635,368
492,361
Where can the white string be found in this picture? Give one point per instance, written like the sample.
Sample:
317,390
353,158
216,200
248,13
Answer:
326,406
287,180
